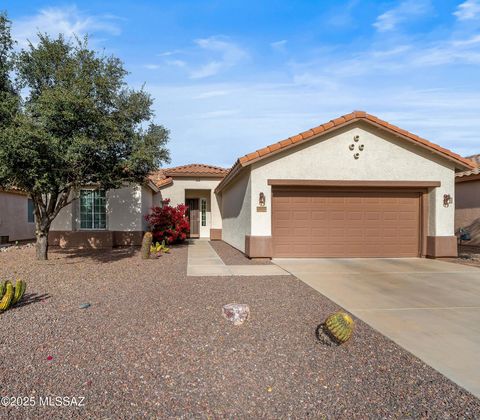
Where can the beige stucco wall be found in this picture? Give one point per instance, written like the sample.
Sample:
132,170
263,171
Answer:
236,211
385,157
467,209
125,209
147,204
14,217
176,192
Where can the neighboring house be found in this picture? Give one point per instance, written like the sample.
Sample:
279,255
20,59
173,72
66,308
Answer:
356,186
353,187
17,221
99,219
467,202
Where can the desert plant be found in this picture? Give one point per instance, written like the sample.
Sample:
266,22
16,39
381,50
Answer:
10,295
158,248
146,245
169,224
7,297
339,326
20,287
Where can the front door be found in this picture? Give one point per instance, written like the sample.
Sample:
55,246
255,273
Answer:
193,215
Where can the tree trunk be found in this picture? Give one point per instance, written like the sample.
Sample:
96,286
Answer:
42,245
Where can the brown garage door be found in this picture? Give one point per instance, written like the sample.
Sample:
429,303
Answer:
316,223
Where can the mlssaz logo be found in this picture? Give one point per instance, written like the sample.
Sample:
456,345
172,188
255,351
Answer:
62,401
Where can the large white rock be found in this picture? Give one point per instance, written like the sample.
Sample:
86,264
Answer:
238,313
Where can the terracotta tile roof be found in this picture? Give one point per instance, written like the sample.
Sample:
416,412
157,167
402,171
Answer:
13,190
196,169
159,178
475,171
333,125
165,176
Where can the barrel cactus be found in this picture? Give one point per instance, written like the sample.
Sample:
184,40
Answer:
20,287
339,326
7,297
10,295
146,245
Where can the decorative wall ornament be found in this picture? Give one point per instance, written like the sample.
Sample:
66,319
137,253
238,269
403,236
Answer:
360,147
447,200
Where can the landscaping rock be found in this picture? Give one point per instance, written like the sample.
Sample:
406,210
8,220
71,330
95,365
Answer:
238,313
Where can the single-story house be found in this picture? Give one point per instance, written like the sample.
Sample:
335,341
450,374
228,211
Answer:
467,202
355,186
17,220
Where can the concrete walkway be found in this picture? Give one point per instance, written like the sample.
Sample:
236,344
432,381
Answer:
204,261
429,307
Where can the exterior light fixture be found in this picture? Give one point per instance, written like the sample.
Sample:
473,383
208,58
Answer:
261,199
447,200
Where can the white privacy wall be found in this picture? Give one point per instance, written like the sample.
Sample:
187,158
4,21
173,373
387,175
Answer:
236,211
384,158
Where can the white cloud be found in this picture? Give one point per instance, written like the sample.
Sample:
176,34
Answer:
406,10
66,20
152,66
279,45
469,9
177,63
211,94
169,53
229,54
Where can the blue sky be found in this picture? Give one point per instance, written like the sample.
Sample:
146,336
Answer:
230,76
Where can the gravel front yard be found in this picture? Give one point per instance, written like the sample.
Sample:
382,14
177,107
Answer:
154,343
468,255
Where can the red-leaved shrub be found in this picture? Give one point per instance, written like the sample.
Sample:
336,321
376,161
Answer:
169,223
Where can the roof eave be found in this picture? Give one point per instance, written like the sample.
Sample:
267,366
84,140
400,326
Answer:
193,174
459,163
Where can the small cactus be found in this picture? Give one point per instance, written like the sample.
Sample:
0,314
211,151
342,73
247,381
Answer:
164,248
158,248
340,326
146,245
7,297
20,287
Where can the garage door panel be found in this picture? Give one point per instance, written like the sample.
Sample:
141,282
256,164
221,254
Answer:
316,223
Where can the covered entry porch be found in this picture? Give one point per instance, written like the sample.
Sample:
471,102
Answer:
199,212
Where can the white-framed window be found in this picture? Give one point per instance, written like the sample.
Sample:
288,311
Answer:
203,211
93,209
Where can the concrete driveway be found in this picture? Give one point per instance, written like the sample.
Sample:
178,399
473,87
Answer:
429,307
